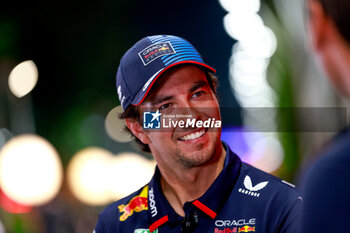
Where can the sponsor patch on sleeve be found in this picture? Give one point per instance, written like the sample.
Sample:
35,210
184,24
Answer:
137,204
155,51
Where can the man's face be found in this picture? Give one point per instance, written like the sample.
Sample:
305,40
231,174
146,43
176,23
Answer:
184,90
329,45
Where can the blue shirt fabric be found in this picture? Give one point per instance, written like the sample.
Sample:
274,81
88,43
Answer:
241,199
327,191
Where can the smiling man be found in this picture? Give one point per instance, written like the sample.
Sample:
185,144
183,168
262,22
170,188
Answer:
199,184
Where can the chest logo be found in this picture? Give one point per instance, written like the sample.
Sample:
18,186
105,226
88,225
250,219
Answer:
136,204
250,189
246,229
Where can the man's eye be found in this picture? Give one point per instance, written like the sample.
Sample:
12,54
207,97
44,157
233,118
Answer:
198,94
164,106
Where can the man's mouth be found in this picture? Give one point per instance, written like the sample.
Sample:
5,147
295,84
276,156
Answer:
193,135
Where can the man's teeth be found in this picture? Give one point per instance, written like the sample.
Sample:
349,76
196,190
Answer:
193,135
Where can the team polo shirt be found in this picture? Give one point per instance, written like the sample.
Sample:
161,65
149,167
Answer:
241,199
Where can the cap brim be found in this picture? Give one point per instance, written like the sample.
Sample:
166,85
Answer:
141,95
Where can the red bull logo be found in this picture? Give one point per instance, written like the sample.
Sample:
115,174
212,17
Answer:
163,48
151,53
246,229
226,230
137,204
155,51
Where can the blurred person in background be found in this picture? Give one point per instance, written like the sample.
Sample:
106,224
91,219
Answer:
199,184
326,190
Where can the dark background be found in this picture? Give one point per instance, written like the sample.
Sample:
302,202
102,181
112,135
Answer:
77,47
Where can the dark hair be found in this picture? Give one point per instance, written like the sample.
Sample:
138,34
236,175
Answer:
339,10
133,111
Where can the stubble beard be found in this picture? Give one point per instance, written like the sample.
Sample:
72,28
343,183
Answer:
197,158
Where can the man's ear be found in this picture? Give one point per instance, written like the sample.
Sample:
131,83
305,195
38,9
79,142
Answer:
137,130
318,23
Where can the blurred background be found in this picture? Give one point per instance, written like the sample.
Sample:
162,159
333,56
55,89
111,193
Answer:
63,154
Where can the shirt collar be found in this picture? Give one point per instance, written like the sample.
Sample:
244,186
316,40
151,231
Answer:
215,197
210,203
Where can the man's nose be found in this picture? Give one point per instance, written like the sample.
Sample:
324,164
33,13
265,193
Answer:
188,110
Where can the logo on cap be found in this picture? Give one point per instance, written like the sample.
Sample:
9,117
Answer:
155,51
151,120
120,95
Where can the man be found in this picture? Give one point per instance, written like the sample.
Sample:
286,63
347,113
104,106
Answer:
326,189
199,184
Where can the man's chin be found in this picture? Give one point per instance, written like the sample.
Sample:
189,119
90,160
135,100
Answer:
196,158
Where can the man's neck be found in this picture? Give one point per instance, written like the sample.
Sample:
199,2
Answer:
191,183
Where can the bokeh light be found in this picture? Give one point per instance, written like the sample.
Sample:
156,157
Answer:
11,206
97,177
115,127
251,6
23,78
251,54
30,170
261,150
128,172
267,154
248,31
86,174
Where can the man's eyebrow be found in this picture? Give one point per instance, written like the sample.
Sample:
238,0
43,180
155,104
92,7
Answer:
160,99
197,85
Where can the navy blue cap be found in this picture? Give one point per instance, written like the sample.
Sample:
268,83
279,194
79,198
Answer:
143,63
